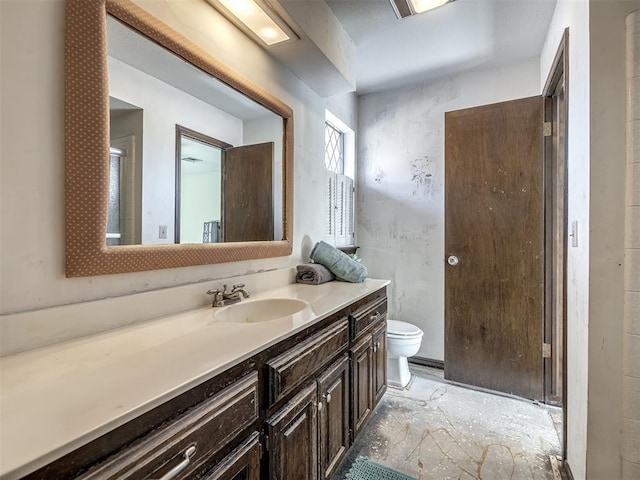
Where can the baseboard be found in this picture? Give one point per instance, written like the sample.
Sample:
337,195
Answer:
427,362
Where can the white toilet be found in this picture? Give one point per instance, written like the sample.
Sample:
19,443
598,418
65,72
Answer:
403,340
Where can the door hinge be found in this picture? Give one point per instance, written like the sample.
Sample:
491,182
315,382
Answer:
546,129
546,350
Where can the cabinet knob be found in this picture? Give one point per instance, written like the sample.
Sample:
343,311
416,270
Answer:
328,397
319,406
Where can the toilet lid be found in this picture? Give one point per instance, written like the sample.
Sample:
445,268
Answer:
402,329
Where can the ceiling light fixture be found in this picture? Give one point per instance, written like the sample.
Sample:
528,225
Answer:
405,8
260,19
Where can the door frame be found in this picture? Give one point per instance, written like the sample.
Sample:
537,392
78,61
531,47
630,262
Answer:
200,137
559,72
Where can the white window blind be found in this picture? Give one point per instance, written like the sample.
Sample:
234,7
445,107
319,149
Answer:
339,206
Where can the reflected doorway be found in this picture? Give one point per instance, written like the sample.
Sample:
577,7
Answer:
198,187
223,193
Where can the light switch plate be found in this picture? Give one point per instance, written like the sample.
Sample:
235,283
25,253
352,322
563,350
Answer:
162,231
574,233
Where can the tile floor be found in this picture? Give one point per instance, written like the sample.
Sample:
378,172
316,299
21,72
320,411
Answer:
436,430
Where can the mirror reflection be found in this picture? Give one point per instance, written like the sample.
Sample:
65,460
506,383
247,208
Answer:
191,160
198,187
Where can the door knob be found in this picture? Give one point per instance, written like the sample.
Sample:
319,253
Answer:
452,260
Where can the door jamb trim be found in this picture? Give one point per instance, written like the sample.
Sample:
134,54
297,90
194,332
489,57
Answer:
560,66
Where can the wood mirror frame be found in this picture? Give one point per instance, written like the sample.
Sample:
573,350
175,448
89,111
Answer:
87,148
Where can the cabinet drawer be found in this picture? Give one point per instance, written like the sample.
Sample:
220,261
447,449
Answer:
208,427
243,463
299,363
366,316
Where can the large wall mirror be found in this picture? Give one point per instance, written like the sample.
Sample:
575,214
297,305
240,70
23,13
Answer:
172,158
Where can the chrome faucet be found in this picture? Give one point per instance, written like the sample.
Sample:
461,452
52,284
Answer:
223,297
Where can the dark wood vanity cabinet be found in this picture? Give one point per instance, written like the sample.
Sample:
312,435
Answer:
333,416
362,380
368,354
379,367
309,436
289,412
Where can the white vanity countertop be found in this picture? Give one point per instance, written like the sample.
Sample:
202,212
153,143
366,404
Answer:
58,398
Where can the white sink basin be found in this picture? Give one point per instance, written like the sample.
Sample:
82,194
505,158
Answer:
263,310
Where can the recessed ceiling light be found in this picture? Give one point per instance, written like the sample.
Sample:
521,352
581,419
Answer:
405,8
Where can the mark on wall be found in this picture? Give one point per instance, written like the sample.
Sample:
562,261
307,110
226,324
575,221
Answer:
421,176
379,175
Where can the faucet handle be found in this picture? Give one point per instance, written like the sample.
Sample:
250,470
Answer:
240,285
217,297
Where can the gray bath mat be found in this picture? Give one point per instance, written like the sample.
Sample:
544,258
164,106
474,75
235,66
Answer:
364,469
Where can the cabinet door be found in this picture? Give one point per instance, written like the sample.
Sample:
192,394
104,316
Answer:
241,464
362,383
293,438
379,362
333,416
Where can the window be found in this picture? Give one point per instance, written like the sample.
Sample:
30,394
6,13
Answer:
339,183
333,149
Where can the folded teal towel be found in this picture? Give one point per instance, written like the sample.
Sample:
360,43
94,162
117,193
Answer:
343,267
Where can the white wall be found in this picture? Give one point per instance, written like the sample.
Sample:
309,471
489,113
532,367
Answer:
631,346
400,186
32,170
575,16
199,203
607,235
595,295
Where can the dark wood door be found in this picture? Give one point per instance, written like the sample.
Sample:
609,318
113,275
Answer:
362,383
293,438
494,227
333,416
379,362
247,198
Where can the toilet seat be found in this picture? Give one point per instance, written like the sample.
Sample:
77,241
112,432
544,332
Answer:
398,329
